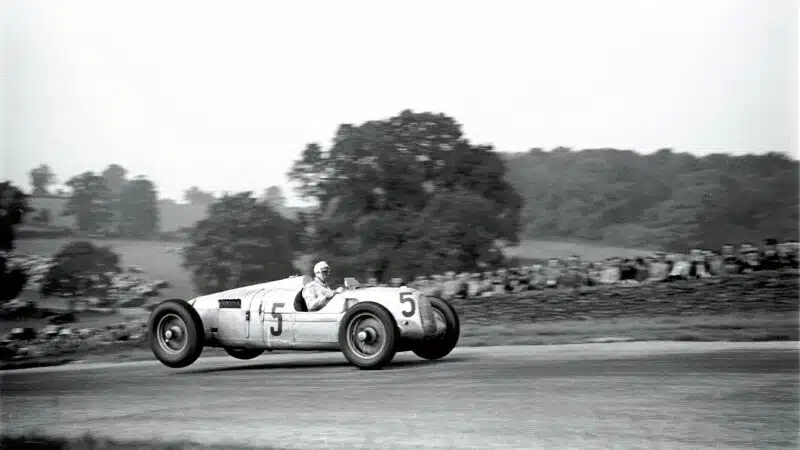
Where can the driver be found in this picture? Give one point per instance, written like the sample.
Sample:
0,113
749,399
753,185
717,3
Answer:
316,293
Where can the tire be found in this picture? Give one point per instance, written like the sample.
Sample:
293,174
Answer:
442,345
244,353
380,328
185,325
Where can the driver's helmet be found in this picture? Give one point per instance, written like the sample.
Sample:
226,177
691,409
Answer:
321,270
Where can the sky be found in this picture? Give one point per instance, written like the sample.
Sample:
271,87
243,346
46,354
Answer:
225,95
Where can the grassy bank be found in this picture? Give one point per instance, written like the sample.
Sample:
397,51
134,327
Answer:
88,442
740,327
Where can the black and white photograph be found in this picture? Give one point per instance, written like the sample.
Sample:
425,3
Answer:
443,224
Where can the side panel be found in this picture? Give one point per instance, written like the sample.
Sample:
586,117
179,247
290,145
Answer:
256,336
277,319
232,319
317,328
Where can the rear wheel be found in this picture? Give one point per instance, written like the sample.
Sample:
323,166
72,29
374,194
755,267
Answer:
368,336
450,329
175,333
244,353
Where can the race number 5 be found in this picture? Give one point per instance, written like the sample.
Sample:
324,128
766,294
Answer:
279,317
407,297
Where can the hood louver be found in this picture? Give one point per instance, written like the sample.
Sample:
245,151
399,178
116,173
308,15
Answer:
233,303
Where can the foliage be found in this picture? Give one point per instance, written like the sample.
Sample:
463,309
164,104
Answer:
91,202
275,198
666,199
41,178
241,241
139,212
78,266
114,176
13,207
196,196
406,195
11,281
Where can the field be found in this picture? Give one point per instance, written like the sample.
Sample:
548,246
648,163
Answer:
152,256
158,263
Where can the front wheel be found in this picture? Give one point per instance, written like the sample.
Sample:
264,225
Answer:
244,353
445,341
175,333
368,336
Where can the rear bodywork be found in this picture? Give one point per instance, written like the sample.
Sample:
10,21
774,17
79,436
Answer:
263,316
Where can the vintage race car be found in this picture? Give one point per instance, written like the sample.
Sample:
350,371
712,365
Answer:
369,325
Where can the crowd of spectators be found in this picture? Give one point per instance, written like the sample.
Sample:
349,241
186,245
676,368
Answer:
574,272
62,339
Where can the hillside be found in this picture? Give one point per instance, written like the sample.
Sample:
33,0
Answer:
665,199
172,216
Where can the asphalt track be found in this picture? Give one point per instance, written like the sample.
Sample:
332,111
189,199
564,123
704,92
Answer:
625,395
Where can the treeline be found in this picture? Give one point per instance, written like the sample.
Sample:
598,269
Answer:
410,195
110,204
665,199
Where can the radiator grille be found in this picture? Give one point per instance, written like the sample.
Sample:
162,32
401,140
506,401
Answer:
426,316
234,303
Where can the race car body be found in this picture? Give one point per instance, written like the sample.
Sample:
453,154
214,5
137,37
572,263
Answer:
369,325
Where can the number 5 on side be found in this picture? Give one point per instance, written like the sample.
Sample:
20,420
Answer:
279,317
407,297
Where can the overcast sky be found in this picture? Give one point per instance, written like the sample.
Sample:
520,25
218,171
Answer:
225,95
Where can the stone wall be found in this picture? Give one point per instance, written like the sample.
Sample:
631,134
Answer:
748,293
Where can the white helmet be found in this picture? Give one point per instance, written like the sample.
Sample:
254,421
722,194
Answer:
320,266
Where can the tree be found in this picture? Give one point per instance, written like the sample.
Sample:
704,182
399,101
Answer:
665,199
114,176
139,212
241,241
13,207
275,198
90,202
41,178
196,196
78,266
384,183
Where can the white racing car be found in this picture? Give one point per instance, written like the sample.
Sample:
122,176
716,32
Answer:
369,325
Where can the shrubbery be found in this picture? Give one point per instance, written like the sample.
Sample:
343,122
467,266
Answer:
80,266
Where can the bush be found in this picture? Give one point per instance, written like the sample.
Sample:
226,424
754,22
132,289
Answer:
78,265
11,281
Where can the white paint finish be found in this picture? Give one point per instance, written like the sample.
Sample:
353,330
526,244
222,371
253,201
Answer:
278,322
317,327
274,323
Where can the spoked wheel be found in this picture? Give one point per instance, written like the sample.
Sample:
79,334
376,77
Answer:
175,333
244,353
448,331
368,336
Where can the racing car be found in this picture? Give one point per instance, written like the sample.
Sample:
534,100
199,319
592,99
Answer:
369,325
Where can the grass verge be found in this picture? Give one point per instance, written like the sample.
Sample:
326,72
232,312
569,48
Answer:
89,442
739,327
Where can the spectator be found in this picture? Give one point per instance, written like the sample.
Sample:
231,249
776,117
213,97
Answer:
731,261
640,266
680,267
611,272
749,259
770,259
553,273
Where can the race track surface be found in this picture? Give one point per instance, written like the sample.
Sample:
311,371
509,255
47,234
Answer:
626,395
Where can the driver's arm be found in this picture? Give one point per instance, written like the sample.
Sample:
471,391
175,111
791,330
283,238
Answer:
316,296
